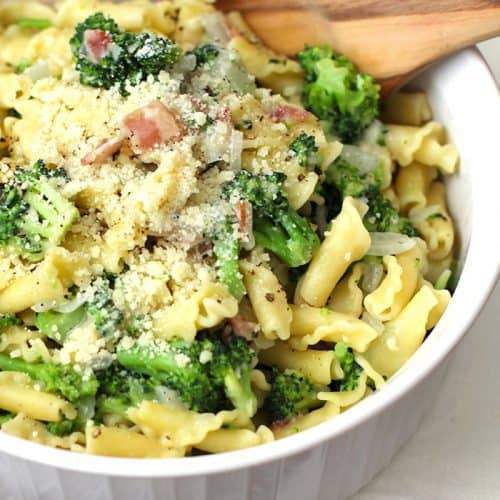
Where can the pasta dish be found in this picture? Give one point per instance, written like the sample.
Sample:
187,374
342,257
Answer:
204,245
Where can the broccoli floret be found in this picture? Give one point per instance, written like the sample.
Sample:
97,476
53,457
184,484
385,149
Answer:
351,369
120,389
176,364
107,317
126,57
54,378
56,325
276,225
7,320
34,216
381,215
62,428
336,93
5,417
231,366
305,149
206,374
227,250
291,394
350,181
205,54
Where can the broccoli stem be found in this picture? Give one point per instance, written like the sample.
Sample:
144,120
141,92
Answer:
226,250
112,406
239,392
56,326
54,378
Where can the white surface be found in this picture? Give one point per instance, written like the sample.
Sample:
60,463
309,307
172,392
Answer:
455,455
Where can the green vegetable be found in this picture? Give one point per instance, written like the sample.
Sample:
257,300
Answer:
34,216
54,378
381,215
107,317
62,428
56,325
7,320
22,67
351,369
305,149
336,93
205,54
5,417
120,389
14,113
276,225
226,251
230,367
131,58
204,373
291,394
36,24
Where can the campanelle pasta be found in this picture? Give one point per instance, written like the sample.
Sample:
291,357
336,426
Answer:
197,255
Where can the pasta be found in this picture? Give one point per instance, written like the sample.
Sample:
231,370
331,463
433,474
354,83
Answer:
196,254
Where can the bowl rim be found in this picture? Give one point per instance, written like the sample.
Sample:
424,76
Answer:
319,435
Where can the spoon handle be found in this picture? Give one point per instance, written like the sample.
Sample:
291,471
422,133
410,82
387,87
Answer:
386,38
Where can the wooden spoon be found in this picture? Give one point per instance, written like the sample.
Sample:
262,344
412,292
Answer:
389,39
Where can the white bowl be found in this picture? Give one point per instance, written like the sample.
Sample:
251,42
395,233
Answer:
336,458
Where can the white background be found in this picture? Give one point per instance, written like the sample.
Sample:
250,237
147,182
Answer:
455,455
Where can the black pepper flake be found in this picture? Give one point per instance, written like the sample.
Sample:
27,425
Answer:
270,297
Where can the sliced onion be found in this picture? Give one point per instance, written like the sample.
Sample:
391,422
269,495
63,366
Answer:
38,70
375,323
419,214
235,150
365,162
216,142
372,277
372,134
186,64
216,28
43,306
390,244
167,396
69,306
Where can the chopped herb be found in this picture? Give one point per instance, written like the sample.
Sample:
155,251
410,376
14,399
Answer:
244,124
22,67
14,113
35,24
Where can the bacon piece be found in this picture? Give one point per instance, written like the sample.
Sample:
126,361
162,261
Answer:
97,43
151,126
242,327
279,424
286,113
224,115
107,148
